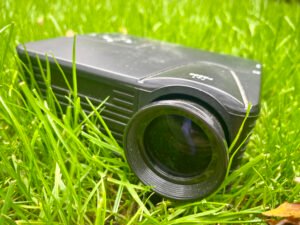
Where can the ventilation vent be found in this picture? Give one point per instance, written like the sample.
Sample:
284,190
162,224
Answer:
116,111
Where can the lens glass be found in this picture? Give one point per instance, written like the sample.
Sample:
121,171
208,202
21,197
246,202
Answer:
177,146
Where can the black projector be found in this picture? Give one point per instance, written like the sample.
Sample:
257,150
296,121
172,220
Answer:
175,110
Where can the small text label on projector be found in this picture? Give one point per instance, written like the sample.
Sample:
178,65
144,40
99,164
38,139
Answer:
200,77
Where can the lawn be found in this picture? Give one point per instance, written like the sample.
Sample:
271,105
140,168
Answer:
57,170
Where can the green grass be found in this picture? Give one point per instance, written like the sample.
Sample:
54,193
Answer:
65,171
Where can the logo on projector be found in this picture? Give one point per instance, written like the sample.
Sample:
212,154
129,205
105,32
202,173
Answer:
200,77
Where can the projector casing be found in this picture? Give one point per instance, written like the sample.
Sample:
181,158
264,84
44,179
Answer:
136,72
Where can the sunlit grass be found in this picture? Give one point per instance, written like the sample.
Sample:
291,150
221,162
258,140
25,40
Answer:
57,170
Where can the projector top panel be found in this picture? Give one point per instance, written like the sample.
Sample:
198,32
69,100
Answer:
128,56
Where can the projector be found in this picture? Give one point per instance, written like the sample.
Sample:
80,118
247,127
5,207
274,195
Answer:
175,110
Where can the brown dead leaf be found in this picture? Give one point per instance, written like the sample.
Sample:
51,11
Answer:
70,33
285,210
284,222
123,30
40,20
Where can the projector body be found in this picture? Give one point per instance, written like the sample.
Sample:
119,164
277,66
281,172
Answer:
189,90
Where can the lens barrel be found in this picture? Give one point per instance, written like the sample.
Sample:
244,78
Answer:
178,148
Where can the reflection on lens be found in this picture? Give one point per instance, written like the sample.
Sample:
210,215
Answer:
177,146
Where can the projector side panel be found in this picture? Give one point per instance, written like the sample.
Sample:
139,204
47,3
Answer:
117,110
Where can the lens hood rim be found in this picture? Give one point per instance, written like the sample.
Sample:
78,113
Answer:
174,187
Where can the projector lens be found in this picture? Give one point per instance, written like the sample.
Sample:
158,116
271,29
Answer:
177,145
178,148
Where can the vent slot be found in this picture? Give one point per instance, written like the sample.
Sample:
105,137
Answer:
116,111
